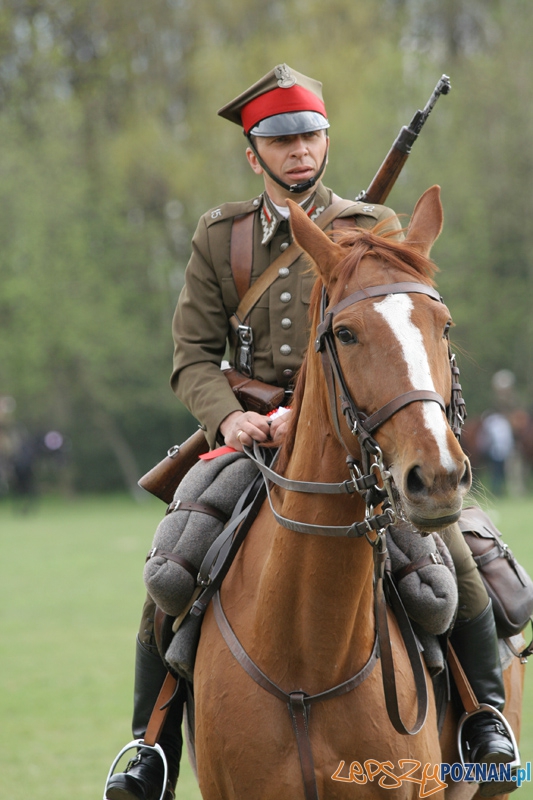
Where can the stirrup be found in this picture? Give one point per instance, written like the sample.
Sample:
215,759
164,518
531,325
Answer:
499,716
130,746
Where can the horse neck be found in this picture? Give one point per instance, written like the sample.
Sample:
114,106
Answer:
325,582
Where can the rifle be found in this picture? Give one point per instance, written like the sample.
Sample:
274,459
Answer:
387,174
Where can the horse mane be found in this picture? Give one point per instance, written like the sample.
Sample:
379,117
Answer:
358,243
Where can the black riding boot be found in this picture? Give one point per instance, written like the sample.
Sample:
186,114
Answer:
143,777
485,740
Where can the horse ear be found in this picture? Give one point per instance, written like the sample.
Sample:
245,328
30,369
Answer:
324,253
426,222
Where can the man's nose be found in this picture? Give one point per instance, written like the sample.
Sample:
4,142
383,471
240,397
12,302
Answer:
300,146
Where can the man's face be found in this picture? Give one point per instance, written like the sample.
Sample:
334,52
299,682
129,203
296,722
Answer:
293,159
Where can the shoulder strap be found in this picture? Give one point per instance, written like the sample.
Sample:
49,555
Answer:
288,257
241,252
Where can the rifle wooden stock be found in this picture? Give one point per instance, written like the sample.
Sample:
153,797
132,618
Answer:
388,173
163,479
386,176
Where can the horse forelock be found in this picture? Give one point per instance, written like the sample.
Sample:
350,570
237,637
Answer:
385,247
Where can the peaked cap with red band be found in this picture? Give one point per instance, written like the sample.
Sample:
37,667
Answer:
283,102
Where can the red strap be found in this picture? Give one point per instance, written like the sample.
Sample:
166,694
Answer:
220,451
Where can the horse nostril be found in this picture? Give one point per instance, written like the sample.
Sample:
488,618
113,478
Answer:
466,479
415,484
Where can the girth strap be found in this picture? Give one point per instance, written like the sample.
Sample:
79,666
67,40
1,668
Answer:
298,702
300,723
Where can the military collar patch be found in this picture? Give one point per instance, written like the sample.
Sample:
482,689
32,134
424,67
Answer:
270,219
269,223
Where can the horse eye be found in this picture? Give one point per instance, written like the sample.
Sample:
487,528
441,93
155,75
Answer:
447,329
346,336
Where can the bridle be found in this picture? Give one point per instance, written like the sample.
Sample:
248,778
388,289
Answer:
367,475
361,425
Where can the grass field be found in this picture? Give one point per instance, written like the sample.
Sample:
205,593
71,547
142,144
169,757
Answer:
71,591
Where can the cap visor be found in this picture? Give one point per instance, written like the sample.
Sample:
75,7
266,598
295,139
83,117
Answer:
290,124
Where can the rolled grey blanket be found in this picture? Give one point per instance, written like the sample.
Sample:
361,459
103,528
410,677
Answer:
218,482
429,593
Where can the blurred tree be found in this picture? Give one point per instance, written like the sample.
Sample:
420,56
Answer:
111,149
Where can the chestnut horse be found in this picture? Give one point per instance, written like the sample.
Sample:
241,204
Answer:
299,608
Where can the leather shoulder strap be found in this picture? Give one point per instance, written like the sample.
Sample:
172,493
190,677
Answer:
288,257
241,252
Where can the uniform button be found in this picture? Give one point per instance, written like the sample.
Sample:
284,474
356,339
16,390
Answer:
288,373
283,245
286,323
256,201
284,272
285,297
285,349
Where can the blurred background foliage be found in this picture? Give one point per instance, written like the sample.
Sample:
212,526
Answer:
111,149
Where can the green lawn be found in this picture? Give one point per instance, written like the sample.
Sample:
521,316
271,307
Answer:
71,592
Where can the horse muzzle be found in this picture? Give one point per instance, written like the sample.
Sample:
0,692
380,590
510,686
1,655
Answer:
432,499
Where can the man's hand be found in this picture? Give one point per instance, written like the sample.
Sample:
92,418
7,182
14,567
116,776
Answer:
279,426
241,427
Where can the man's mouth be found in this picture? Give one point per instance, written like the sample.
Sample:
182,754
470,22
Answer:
301,172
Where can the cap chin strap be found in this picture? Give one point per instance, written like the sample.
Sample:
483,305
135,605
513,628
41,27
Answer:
293,188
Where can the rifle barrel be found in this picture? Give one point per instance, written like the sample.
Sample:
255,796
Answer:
387,175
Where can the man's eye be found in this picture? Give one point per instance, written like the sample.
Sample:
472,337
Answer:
346,336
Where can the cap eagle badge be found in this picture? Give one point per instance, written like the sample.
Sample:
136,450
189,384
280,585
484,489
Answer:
284,76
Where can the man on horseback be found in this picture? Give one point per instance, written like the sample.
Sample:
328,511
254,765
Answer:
285,123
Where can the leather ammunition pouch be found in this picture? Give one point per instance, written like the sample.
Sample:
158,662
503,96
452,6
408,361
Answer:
254,395
508,584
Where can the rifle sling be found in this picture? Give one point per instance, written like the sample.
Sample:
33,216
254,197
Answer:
267,278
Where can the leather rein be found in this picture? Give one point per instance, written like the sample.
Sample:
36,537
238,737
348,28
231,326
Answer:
364,480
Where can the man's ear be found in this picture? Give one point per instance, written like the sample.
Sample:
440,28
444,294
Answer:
253,162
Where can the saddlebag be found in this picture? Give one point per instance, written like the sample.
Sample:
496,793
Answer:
508,584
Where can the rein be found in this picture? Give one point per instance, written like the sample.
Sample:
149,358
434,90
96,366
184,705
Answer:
365,481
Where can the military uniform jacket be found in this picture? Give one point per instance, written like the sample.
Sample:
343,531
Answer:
279,321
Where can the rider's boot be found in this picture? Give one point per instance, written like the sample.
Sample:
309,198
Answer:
485,740
143,777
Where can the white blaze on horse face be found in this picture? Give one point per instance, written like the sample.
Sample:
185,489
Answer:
396,311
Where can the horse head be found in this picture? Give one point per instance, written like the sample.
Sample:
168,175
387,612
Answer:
387,329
